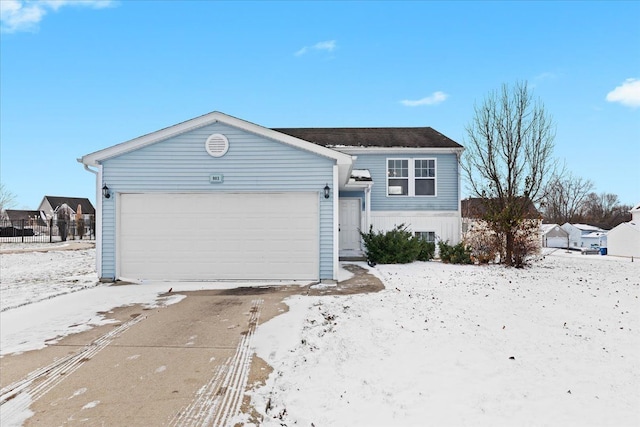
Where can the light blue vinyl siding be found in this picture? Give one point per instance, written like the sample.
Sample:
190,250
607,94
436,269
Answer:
354,195
447,197
252,164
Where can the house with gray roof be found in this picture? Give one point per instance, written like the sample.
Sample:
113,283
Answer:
50,205
221,198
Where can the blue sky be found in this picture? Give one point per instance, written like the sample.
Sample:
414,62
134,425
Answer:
79,76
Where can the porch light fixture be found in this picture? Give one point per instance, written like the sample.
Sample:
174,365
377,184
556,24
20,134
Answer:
105,192
327,191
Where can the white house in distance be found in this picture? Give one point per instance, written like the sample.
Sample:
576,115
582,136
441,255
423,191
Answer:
624,240
584,236
554,236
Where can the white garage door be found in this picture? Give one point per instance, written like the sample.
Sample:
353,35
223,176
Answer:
556,242
224,236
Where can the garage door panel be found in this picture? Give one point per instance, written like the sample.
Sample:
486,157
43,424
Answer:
219,236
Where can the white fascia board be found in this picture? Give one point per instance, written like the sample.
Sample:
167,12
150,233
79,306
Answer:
95,158
357,185
398,150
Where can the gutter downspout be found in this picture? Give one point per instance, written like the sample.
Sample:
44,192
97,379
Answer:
336,220
367,209
98,230
459,157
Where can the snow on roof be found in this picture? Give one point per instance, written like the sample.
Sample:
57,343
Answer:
361,174
633,224
595,234
587,227
546,227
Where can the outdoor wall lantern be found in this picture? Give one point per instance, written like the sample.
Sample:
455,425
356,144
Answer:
327,190
105,192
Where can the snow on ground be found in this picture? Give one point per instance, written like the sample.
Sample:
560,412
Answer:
26,278
556,344
45,296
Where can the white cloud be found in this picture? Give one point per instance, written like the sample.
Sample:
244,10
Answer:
328,46
434,99
628,93
545,76
25,15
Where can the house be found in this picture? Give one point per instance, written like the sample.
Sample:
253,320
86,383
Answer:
473,209
485,243
26,217
50,205
584,236
220,198
554,236
624,240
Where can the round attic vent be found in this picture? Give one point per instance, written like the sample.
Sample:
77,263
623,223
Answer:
217,145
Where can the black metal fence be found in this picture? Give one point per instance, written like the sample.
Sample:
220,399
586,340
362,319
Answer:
39,231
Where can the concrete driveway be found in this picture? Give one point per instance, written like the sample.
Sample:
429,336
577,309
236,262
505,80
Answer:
185,364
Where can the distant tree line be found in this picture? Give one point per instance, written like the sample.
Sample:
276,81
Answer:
569,198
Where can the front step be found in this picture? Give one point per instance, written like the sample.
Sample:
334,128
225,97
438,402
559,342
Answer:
353,258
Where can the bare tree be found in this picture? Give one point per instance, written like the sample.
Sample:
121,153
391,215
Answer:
604,210
565,198
508,158
7,198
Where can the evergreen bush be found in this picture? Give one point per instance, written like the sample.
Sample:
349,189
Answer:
456,254
397,246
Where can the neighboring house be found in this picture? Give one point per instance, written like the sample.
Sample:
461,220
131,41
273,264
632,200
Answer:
50,205
473,209
554,236
478,234
624,240
217,197
26,217
584,236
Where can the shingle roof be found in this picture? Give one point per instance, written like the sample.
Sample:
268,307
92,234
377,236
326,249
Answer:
19,215
72,202
474,207
410,137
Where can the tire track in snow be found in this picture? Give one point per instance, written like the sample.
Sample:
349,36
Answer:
218,401
55,373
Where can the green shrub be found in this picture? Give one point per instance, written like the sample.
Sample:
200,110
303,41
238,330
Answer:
427,250
397,246
457,254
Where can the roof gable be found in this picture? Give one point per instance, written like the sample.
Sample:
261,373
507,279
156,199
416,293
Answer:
72,202
94,159
393,137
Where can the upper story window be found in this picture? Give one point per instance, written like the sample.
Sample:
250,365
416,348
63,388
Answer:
411,177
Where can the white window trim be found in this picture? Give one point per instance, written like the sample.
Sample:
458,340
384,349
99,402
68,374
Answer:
411,189
435,236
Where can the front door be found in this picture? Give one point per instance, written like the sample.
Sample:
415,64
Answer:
349,224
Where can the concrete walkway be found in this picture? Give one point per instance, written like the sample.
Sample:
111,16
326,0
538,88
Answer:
181,365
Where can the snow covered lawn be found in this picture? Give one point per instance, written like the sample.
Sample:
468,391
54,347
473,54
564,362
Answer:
29,277
556,344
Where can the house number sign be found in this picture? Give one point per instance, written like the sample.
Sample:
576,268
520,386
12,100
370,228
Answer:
216,178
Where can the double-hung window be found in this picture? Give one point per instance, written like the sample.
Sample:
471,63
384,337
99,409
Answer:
411,177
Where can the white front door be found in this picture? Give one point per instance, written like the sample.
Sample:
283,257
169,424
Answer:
349,224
